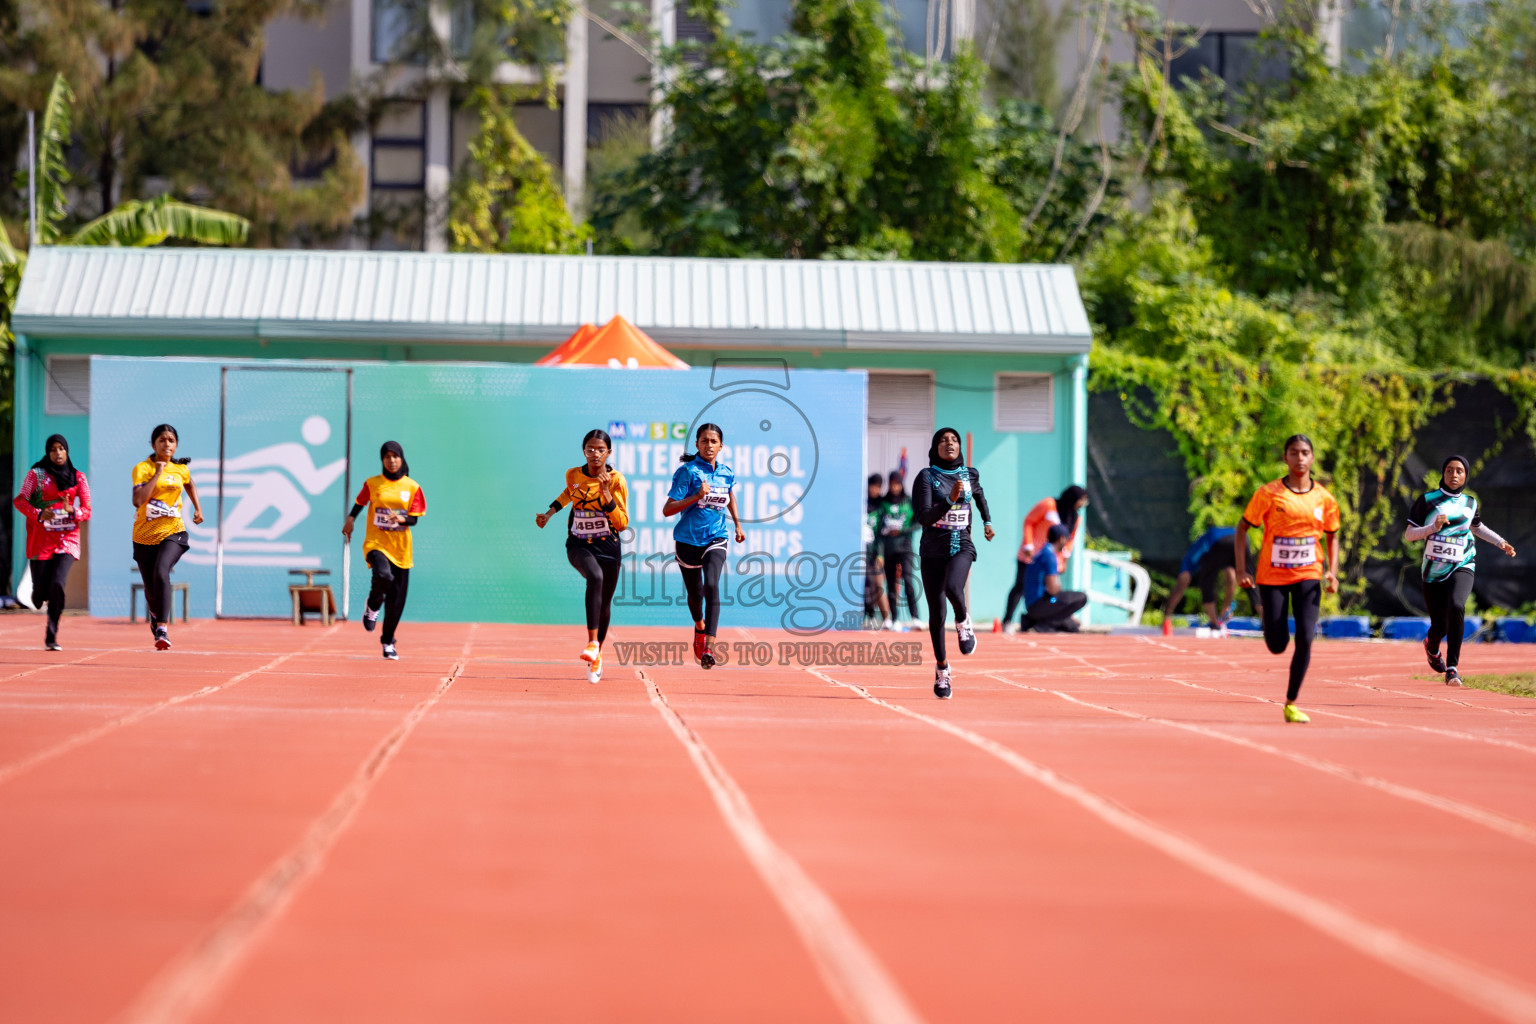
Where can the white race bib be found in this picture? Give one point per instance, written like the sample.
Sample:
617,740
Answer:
1442,548
385,519
157,509
957,518
1293,552
59,519
893,524
717,500
589,524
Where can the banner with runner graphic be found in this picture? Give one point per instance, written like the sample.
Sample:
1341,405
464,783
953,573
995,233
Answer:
489,444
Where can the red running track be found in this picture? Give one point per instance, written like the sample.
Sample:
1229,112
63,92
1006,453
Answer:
271,823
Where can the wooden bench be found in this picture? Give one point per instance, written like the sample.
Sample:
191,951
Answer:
310,596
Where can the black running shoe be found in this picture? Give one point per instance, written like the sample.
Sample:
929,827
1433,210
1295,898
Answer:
707,659
1435,661
370,618
389,652
965,635
162,639
941,687
1452,677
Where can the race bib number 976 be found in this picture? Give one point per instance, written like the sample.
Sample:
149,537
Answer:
1293,552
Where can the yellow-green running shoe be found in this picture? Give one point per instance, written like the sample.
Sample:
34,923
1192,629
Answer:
1294,714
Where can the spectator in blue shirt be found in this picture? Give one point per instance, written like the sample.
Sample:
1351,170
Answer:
1048,608
1212,560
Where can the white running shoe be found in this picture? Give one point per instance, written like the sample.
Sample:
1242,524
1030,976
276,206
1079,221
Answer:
390,653
889,626
595,670
1010,628
966,636
592,653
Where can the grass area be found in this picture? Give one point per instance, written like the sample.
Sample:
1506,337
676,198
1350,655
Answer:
1516,684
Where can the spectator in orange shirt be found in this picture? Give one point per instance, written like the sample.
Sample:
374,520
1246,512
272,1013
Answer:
1048,512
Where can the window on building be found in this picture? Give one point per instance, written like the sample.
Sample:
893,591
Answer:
1237,58
1024,403
900,417
399,147
393,26
68,387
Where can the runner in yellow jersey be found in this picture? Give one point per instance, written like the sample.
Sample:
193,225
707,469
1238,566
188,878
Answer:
159,535
599,500
397,504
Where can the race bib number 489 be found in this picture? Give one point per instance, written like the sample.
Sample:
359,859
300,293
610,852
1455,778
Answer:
1446,549
1293,552
589,524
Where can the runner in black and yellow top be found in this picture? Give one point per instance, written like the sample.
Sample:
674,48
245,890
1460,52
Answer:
1446,519
1295,513
159,535
397,504
599,500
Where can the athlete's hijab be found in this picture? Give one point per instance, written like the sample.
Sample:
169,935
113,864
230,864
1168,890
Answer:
1066,507
1466,467
63,476
949,465
405,467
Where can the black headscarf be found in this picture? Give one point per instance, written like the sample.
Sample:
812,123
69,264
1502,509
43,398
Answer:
1465,465
405,467
63,476
933,451
1066,507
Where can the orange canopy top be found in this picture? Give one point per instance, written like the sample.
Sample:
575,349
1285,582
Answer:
617,343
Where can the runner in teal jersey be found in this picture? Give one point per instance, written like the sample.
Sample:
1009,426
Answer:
1447,519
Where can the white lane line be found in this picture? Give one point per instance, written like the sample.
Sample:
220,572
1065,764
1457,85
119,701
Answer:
185,986
1314,710
1429,696
856,978
60,664
1473,985
80,739
1512,827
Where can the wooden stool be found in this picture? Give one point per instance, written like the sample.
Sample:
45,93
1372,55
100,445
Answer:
176,588
310,596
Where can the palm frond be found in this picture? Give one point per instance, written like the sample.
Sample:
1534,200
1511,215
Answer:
52,171
139,224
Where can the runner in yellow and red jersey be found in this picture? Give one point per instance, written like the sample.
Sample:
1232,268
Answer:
599,500
1297,516
159,534
397,504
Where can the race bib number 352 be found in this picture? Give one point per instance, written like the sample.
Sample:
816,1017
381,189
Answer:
1293,552
1446,549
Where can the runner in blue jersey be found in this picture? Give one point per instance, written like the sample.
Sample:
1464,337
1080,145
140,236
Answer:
702,492
1446,519
1212,560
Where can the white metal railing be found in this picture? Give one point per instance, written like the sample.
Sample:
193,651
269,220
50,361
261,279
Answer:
1141,585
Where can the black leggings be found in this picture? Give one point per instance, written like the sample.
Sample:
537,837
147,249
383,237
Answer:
703,586
602,576
155,563
900,560
1306,597
390,584
944,577
1447,602
1016,593
49,575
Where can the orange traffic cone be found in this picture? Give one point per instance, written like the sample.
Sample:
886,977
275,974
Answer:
997,625
1167,626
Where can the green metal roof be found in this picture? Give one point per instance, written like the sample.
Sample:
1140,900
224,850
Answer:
525,299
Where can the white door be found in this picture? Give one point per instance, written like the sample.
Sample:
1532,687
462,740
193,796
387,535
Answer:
900,416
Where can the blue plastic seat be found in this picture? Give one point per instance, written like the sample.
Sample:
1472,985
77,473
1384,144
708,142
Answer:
1516,631
1405,627
1473,624
1345,627
1244,625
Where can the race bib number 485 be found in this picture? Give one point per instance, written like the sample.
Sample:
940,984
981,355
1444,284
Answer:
1293,552
1446,549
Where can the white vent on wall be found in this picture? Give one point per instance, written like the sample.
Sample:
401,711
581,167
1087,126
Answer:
68,386
1024,403
901,401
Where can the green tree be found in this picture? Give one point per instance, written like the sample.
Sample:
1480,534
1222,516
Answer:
169,102
506,198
